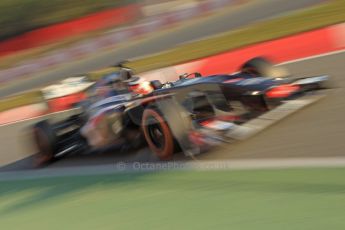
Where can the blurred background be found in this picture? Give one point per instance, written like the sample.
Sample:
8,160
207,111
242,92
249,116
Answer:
44,44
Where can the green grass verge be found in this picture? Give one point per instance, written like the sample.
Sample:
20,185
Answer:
258,199
323,15
26,98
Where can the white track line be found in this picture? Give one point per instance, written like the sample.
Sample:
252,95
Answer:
121,167
313,57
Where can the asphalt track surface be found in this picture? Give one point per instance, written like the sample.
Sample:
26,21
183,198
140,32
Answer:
221,22
315,131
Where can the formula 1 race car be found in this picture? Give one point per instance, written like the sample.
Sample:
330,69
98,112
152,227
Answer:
191,114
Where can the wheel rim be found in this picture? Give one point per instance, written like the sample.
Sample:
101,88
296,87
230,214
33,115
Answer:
156,133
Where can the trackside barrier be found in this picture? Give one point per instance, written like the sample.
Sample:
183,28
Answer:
47,35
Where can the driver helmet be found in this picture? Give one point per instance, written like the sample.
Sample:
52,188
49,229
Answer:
140,87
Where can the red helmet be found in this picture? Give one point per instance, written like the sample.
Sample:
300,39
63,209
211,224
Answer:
141,87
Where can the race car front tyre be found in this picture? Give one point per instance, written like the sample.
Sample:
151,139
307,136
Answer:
157,134
45,139
256,66
261,67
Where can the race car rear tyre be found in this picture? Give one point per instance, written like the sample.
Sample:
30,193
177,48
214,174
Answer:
157,134
45,140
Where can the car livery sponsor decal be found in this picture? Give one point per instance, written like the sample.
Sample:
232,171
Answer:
233,80
247,81
114,99
217,124
252,81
